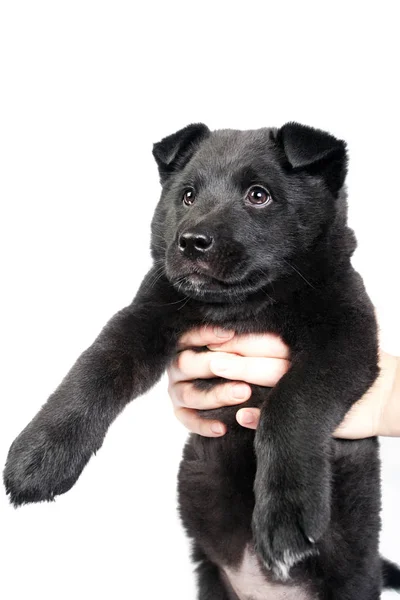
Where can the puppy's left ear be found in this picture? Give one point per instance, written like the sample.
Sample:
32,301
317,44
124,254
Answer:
314,151
174,151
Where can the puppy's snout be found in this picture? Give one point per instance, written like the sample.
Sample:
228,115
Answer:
194,245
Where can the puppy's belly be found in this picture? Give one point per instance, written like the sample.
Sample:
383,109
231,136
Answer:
248,582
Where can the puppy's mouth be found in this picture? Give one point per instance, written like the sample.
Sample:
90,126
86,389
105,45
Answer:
199,278
198,281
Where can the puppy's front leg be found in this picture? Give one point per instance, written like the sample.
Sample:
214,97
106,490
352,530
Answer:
126,359
293,440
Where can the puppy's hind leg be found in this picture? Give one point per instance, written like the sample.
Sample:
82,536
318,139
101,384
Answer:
209,579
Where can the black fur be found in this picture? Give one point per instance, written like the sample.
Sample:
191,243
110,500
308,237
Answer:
282,267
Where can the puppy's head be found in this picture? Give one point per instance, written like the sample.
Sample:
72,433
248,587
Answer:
238,207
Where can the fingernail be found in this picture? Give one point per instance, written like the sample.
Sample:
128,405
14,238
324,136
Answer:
240,391
247,417
219,366
223,333
217,428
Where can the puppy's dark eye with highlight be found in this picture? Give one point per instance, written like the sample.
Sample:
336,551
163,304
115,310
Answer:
188,197
258,195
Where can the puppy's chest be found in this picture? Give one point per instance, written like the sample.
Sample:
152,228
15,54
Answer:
249,582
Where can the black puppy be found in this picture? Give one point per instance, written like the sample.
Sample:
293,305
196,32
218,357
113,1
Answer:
250,234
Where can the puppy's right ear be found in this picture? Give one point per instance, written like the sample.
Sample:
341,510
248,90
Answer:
174,151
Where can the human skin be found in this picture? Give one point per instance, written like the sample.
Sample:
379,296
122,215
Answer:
263,360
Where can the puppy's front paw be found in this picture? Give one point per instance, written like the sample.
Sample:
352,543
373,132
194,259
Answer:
279,539
42,462
292,500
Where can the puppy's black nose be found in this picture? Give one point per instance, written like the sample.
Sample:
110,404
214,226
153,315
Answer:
194,245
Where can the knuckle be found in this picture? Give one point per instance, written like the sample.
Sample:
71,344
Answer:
220,392
188,397
183,415
205,333
181,361
186,338
179,415
204,428
281,366
173,373
173,392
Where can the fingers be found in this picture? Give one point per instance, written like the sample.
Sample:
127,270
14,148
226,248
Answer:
203,337
185,394
253,345
240,359
226,341
204,365
191,365
256,370
248,417
196,424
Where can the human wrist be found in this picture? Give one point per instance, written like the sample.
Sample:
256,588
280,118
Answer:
389,422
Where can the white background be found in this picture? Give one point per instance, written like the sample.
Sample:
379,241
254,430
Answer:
86,88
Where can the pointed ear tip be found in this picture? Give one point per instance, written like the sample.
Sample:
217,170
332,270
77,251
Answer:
196,129
294,128
157,151
295,125
191,128
172,149
198,125
341,148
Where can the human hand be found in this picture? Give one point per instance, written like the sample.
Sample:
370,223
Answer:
262,360
257,359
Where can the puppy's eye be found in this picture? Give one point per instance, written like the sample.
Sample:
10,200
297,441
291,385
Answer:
188,197
258,196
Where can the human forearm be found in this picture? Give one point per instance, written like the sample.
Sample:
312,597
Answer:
389,423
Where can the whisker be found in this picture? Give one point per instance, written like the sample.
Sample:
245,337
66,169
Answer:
158,246
298,272
158,273
188,298
266,293
176,302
